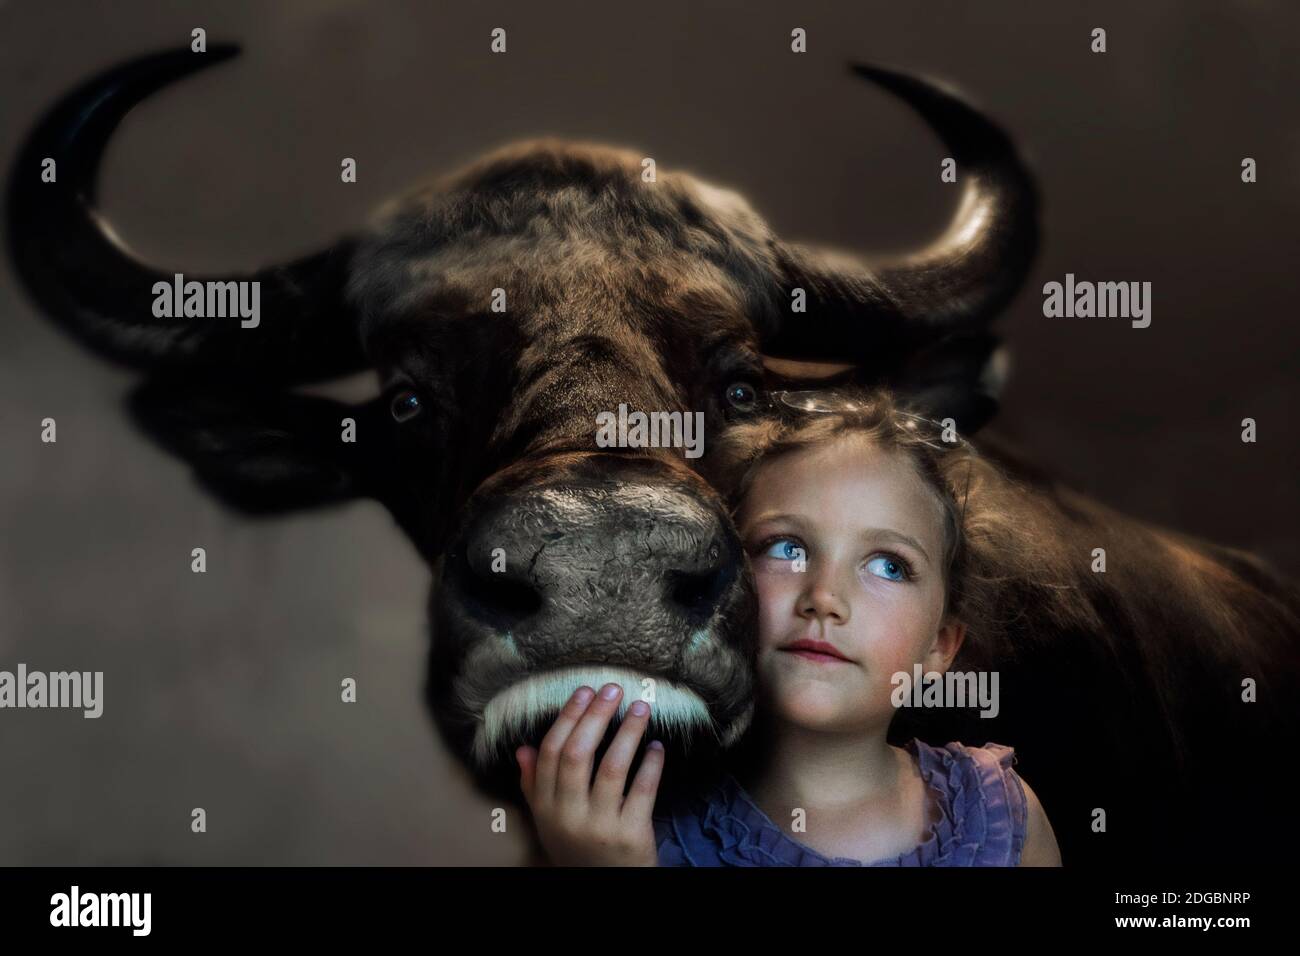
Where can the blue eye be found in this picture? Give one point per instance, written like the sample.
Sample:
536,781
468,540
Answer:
406,406
887,568
784,549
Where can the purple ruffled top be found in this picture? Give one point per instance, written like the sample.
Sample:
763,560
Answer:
983,823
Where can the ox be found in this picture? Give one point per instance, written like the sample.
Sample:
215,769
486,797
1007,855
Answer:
1123,695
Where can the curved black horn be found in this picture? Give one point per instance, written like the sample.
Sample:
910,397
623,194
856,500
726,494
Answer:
955,284
83,276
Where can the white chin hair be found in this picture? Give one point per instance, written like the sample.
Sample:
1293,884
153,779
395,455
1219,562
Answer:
516,709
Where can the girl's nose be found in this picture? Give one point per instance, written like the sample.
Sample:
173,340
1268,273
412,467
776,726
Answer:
820,598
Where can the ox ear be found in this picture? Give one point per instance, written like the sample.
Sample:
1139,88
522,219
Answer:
959,377
260,450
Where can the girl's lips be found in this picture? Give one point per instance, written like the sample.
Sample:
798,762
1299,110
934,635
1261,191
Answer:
819,651
817,656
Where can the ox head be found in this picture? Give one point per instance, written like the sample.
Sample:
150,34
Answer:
503,308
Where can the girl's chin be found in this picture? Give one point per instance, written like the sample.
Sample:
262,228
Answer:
816,707
791,672
820,699
812,693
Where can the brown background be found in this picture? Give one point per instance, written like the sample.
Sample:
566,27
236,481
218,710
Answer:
222,689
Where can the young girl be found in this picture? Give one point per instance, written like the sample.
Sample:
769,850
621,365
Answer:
853,515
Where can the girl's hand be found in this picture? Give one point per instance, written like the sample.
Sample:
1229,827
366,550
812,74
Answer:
581,823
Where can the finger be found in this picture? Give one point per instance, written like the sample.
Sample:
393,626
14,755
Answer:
573,783
526,757
640,802
548,756
611,778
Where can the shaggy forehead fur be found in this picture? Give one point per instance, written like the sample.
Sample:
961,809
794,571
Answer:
574,237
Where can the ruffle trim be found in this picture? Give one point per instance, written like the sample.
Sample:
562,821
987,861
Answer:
982,823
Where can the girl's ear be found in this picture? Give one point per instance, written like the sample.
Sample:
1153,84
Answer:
947,642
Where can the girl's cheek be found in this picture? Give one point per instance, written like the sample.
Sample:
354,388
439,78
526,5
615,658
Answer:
899,622
777,593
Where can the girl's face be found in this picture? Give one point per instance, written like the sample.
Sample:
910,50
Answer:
846,541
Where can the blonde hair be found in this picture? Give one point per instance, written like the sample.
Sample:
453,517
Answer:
990,549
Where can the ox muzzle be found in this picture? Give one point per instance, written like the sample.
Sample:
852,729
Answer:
589,569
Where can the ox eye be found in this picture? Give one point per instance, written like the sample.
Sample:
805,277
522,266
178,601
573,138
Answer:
742,396
406,405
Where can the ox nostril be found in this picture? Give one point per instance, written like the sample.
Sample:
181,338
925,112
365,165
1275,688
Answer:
698,593
498,596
